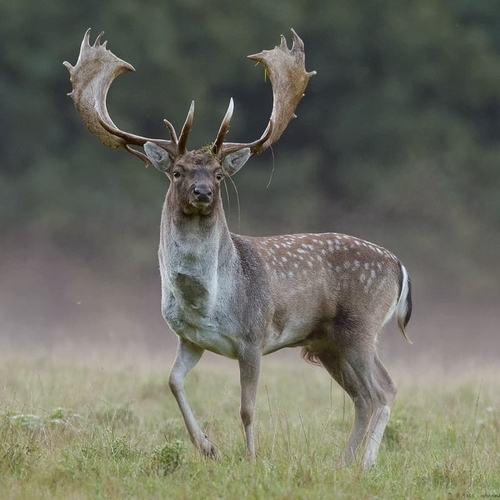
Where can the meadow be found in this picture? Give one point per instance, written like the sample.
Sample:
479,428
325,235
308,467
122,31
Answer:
92,427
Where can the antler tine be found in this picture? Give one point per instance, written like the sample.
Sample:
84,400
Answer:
286,70
186,128
224,127
171,131
138,154
91,77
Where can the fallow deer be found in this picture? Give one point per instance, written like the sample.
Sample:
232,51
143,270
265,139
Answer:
243,297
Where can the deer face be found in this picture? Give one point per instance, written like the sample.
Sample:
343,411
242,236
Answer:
195,176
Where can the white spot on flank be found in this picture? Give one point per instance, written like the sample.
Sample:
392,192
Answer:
373,273
338,269
347,264
362,278
382,283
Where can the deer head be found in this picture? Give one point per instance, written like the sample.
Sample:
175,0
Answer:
96,69
195,177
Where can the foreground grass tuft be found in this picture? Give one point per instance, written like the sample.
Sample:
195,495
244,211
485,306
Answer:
112,430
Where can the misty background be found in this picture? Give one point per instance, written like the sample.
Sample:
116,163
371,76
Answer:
397,141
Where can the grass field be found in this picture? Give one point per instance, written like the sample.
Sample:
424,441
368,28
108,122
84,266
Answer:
73,429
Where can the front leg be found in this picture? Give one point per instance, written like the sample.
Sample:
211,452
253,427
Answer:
249,363
188,355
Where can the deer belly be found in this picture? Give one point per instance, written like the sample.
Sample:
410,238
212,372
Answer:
291,336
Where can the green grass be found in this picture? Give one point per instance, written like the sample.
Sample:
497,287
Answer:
105,429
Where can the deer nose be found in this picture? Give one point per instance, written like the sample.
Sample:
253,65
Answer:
202,192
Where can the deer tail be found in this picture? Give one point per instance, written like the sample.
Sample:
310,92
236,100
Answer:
404,305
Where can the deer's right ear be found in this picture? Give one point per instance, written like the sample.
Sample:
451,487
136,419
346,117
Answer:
158,156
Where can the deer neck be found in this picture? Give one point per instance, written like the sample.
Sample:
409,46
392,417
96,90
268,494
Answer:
195,253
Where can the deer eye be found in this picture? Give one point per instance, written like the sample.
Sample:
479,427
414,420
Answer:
219,177
176,174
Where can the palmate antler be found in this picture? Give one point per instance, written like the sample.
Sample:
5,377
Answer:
97,67
286,70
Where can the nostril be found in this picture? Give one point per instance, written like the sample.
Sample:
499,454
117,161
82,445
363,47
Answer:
202,193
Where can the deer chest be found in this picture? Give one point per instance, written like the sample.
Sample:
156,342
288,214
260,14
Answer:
195,313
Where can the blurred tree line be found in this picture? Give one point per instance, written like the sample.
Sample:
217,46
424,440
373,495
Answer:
397,140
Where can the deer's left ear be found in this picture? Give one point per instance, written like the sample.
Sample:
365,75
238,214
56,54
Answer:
234,161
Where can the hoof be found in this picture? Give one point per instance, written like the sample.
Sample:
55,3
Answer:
208,449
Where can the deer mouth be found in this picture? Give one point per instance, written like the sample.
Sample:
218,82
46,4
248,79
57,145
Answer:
199,207
200,204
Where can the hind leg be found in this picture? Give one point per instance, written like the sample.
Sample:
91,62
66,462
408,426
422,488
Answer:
361,374
387,389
